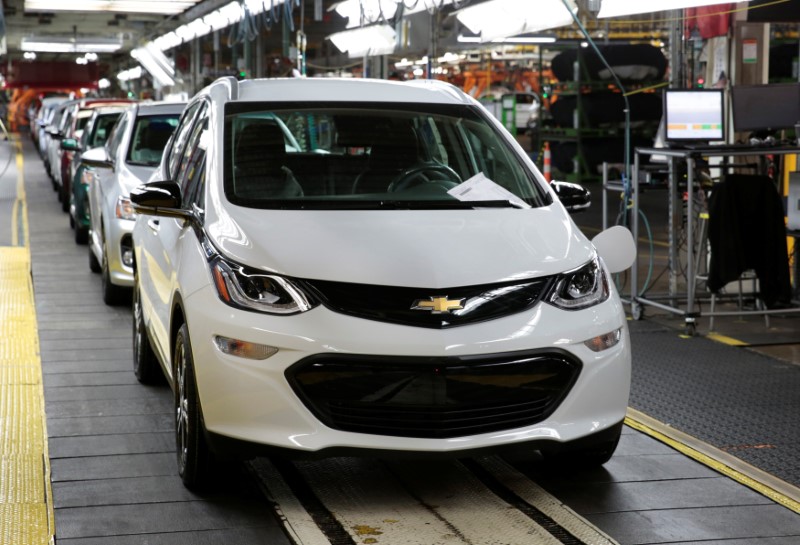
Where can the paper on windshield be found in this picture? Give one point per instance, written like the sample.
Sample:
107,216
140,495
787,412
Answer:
481,188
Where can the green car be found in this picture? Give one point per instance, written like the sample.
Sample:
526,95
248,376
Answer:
94,135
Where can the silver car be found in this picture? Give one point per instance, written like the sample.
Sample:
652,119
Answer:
129,156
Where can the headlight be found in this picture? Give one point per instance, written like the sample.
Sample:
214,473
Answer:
580,288
255,290
124,209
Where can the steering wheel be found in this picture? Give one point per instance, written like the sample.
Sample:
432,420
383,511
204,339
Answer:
427,172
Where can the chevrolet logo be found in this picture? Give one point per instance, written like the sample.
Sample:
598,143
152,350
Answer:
438,304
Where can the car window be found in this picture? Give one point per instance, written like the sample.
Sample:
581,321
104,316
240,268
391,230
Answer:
115,138
373,154
102,128
181,134
190,174
149,137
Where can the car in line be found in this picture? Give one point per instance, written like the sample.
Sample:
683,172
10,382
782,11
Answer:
42,119
94,134
406,282
75,118
131,153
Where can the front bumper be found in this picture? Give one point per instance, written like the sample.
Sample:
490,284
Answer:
118,241
253,401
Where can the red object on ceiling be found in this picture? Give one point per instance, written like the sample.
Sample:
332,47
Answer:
710,21
56,74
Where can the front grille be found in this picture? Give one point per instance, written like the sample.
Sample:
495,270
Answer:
433,397
397,304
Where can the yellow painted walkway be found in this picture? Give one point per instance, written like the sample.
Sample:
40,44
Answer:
26,507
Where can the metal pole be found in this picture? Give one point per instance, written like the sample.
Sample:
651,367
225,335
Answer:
635,227
690,243
605,195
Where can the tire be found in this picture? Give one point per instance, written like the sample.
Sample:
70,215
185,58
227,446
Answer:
82,237
112,295
64,198
191,448
94,265
145,364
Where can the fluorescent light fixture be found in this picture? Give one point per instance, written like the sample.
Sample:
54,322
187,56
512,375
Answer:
68,44
29,56
499,19
154,61
512,40
227,15
81,60
132,73
167,41
365,12
162,7
617,8
369,40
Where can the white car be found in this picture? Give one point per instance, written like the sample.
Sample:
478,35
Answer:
405,281
130,155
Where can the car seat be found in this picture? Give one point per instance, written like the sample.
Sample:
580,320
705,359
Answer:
259,169
396,151
152,142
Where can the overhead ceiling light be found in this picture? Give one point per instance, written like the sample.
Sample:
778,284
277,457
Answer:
498,19
154,61
131,73
68,44
172,7
617,8
103,83
369,40
522,40
365,12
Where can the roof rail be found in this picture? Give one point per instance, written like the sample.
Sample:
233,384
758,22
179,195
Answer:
233,86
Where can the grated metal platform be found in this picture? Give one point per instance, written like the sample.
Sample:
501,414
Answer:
737,400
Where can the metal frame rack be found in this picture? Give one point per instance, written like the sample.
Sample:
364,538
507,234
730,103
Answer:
676,303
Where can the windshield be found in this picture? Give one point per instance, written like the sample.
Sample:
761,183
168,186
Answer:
377,155
150,135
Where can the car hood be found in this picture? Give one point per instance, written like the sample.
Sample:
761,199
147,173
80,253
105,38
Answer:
415,248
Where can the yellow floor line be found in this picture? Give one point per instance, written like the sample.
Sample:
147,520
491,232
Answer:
730,341
762,482
26,507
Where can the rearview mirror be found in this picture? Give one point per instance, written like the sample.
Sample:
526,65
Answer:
574,197
97,157
159,199
70,144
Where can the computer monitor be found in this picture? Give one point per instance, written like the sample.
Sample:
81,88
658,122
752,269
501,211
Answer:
694,115
765,108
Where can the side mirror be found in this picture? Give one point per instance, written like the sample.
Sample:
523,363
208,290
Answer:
70,144
574,197
159,199
97,157
616,247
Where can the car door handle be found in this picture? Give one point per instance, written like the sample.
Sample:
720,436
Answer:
153,224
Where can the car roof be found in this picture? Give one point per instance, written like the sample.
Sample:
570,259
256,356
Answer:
345,90
155,108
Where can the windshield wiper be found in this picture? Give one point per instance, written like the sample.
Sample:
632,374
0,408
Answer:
333,204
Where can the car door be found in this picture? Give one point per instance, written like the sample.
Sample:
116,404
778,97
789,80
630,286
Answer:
102,178
158,244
